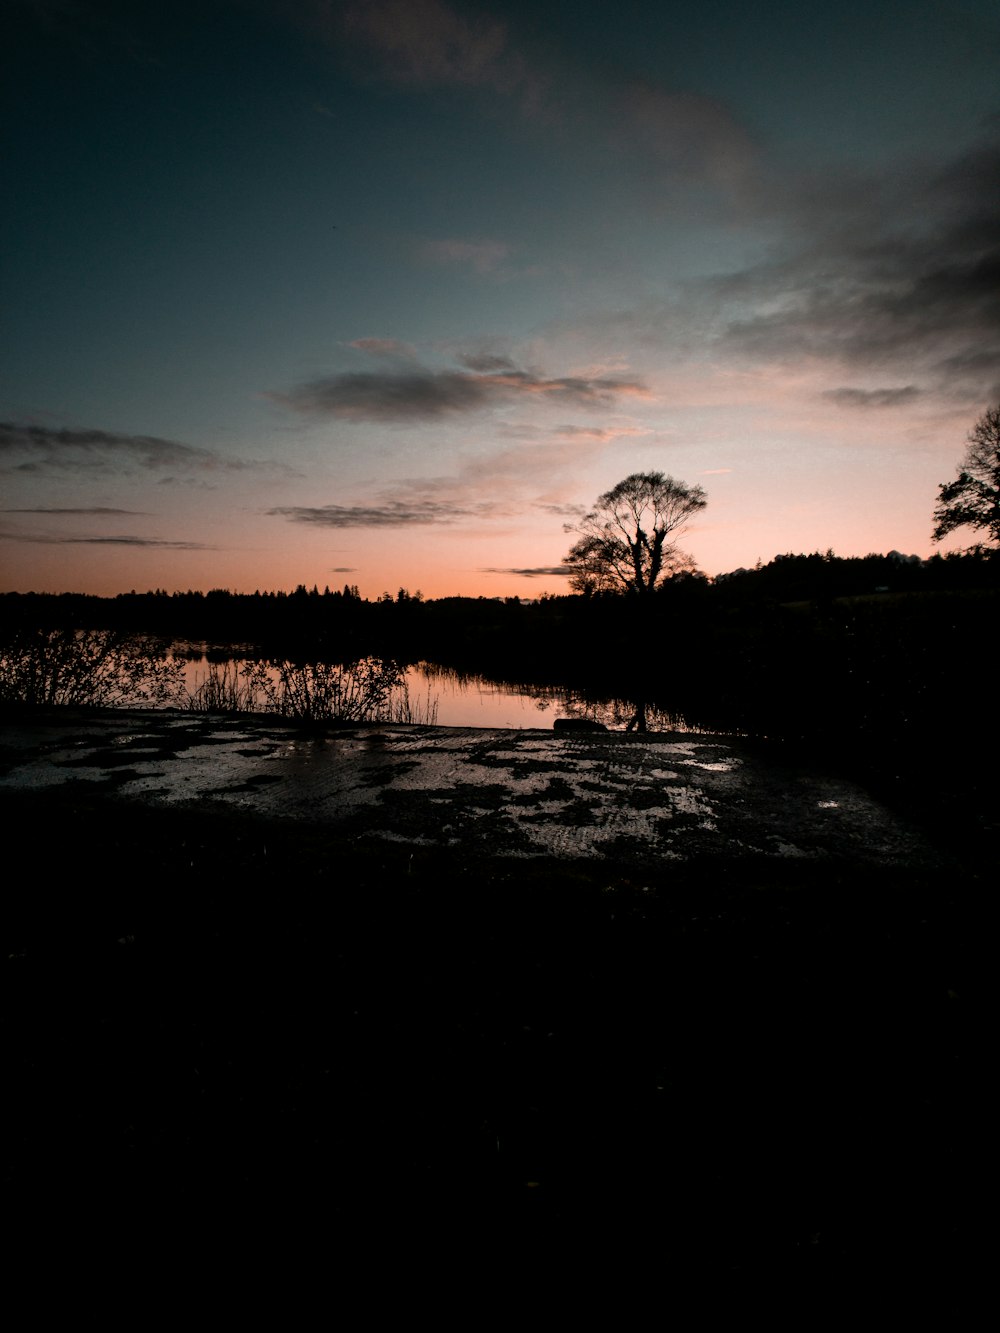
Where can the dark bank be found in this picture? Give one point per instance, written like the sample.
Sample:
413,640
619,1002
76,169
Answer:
760,1068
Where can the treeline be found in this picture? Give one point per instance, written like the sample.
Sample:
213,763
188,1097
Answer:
870,651
307,617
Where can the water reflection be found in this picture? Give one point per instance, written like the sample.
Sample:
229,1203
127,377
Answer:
453,698
466,700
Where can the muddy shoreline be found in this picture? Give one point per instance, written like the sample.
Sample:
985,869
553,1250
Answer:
762,1068
641,799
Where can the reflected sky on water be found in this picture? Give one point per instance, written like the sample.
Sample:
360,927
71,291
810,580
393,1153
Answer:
448,698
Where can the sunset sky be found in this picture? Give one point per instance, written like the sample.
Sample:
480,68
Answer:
386,293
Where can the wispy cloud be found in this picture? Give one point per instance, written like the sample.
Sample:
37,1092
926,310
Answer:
877,398
517,480
427,44
600,434
155,542
540,571
666,132
482,256
98,510
423,394
687,133
391,514
31,448
562,510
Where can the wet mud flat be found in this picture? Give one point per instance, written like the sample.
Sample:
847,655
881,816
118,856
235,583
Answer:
619,797
748,1064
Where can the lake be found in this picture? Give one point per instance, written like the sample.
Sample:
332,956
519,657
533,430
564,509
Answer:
448,698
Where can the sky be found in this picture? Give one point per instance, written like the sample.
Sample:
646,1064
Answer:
386,293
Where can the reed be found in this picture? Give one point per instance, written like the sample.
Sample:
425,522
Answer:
369,690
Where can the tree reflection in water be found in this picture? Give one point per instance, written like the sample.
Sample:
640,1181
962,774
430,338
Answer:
626,712
453,697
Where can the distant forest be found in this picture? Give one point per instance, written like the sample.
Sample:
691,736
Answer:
876,650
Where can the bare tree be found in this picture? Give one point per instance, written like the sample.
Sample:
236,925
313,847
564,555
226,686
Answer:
624,541
973,498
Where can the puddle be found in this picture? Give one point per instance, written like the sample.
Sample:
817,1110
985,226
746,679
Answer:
512,793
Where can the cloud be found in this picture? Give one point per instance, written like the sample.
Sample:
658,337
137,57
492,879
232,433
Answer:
894,279
541,474
507,476
688,133
881,308
391,514
344,569
487,363
482,256
905,277
95,510
29,449
422,394
600,434
848,397
563,510
108,541
427,44
541,571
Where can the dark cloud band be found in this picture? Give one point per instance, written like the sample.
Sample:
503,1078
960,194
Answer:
848,397
41,448
539,572
97,510
394,514
154,542
421,394
911,282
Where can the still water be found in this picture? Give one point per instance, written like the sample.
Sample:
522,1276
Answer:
442,696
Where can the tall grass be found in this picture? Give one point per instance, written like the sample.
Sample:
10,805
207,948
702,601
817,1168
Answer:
422,712
90,668
368,690
221,691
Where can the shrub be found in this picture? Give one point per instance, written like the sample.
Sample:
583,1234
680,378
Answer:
324,692
98,668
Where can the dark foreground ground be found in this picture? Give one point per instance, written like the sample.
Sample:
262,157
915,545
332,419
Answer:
758,1079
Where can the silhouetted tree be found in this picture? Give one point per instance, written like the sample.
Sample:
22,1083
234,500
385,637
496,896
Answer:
973,498
623,542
